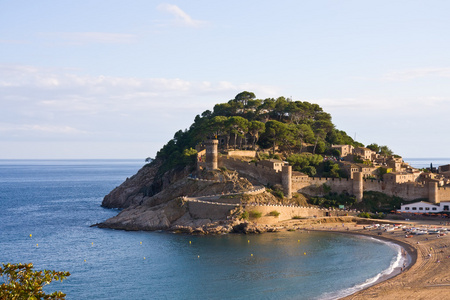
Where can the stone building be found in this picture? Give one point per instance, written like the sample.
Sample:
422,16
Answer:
425,207
398,177
345,150
364,153
275,164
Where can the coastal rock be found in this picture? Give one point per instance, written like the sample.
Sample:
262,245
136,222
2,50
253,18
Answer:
170,210
247,228
130,193
146,218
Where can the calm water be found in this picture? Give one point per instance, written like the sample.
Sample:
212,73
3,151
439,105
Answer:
56,201
425,162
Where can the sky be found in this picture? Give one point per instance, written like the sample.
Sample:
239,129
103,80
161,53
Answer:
116,79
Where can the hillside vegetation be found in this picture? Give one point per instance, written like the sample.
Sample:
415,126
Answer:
282,125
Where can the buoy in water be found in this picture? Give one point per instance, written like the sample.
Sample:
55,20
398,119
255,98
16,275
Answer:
37,245
198,256
251,254
144,257
304,253
248,241
298,241
31,235
190,242
140,243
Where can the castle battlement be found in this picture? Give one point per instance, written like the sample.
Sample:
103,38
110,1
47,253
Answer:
314,185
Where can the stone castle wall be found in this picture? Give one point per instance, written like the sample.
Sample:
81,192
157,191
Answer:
204,210
444,194
314,186
264,174
407,191
289,212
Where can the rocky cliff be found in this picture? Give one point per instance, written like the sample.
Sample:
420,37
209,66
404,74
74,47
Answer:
175,201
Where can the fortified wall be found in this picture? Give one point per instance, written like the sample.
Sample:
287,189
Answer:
264,174
315,186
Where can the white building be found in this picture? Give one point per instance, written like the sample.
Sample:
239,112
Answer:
425,207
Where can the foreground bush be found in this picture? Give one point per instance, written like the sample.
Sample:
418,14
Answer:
20,281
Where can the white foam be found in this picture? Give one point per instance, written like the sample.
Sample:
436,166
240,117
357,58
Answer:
397,262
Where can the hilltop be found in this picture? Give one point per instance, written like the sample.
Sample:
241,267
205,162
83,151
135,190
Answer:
267,153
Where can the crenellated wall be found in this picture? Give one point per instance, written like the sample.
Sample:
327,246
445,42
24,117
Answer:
444,194
314,186
290,212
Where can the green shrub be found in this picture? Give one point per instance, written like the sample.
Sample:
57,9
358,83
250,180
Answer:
274,213
364,215
254,214
245,215
279,194
298,217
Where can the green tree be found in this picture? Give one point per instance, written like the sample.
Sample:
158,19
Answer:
20,281
299,161
244,97
385,151
331,169
275,131
309,170
237,126
374,147
190,156
255,128
217,125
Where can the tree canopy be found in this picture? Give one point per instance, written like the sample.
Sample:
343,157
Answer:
247,122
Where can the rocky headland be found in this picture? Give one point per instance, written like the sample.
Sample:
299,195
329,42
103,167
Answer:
181,202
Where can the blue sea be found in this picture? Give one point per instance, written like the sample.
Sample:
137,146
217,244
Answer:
56,201
421,163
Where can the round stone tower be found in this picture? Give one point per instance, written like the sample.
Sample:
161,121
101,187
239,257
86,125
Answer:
211,154
286,181
358,186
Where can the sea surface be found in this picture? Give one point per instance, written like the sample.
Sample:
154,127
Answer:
421,163
56,201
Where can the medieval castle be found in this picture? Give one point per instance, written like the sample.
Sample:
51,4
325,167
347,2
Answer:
399,180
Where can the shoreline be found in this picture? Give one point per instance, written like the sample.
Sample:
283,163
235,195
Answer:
425,277
411,259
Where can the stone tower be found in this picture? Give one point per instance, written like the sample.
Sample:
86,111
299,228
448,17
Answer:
433,192
211,154
358,186
286,181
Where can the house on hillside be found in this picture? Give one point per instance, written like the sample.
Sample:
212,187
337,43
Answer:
398,177
364,153
345,150
351,168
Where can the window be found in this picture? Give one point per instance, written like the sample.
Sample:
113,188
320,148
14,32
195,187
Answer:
406,208
427,208
414,208
420,208
434,208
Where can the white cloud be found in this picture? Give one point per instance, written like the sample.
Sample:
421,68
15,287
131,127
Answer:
405,75
34,128
82,38
181,17
60,103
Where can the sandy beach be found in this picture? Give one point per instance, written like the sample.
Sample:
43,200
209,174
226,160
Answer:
427,276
